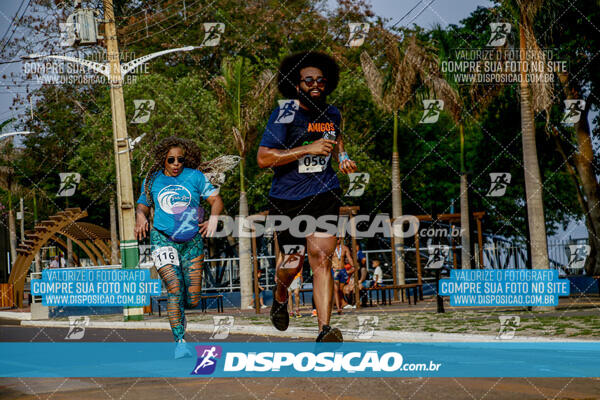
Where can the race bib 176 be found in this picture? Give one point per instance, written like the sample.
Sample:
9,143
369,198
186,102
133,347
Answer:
165,255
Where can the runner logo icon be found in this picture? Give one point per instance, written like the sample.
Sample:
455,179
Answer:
207,359
437,255
212,33
222,326
431,111
578,254
143,109
500,31
287,111
358,183
366,326
573,110
499,183
508,326
77,326
358,33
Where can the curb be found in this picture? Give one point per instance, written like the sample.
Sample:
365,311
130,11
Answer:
295,332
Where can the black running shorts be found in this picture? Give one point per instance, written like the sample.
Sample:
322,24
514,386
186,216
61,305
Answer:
327,203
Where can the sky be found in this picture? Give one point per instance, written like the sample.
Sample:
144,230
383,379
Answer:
425,13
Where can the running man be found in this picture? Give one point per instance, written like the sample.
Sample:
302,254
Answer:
174,187
304,182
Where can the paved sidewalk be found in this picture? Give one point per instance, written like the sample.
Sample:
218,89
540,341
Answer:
575,319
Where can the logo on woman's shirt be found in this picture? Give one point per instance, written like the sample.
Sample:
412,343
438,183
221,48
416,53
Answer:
174,199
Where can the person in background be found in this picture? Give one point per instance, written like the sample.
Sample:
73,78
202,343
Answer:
360,256
341,264
260,294
55,263
294,289
377,273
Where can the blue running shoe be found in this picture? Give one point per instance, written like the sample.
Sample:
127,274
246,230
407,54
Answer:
181,350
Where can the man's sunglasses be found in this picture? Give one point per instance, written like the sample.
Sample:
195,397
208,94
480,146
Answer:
171,160
310,80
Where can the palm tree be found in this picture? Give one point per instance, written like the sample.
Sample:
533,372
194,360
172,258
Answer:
245,102
9,183
534,97
392,89
478,96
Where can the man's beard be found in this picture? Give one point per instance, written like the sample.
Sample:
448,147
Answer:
316,105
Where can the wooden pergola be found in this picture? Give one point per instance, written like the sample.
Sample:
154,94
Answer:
451,219
92,239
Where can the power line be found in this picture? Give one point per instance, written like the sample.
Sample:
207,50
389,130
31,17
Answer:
424,8
405,15
15,29
13,21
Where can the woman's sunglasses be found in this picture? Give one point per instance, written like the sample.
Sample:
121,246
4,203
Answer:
310,80
171,160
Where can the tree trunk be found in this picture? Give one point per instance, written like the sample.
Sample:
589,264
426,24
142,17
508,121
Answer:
583,160
244,254
114,239
397,207
533,182
465,232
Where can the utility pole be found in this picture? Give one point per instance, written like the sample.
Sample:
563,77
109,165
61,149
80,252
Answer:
129,245
22,219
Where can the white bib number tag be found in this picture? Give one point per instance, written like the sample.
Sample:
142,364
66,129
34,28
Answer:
312,163
165,255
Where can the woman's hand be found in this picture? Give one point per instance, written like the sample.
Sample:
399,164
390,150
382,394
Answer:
208,228
141,226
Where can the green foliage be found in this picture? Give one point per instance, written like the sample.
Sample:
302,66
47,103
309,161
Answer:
73,124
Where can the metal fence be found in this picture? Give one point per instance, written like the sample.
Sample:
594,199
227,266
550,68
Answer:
222,274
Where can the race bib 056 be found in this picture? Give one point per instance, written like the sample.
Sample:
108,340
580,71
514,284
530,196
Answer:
165,255
312,163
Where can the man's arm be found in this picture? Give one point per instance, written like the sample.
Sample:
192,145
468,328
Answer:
347,166
268,157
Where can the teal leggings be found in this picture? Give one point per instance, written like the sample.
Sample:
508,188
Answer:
183,281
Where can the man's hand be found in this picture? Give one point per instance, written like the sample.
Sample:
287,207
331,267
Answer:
348,166
208,228
321,147
141,226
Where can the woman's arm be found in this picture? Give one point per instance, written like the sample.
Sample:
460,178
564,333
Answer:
141,221
208,228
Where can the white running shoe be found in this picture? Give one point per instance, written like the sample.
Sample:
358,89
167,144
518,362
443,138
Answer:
263,306
181,350
250,307
347,306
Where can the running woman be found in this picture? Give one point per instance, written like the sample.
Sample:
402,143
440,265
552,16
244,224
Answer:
298,143
174,187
